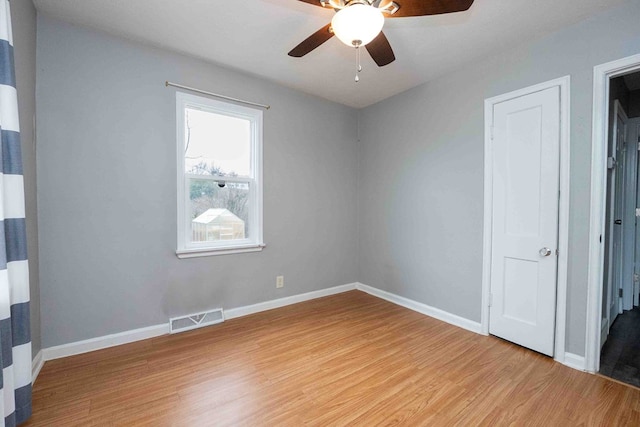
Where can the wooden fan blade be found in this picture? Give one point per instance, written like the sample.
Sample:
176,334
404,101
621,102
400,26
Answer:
380,50
429,7
312,42
313,2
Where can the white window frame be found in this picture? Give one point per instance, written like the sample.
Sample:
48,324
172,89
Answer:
186,248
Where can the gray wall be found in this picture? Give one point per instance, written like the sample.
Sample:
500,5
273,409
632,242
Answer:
421,169
107,189
106,181
23,19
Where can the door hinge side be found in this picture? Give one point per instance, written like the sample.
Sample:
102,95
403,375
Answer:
620,292
636,277
611,162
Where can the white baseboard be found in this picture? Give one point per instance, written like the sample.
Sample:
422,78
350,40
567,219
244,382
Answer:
106,341
571,360
98,343
36,364
232,313
574,361
126,337
422,308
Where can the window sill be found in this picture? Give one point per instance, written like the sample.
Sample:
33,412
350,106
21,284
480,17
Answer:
200,252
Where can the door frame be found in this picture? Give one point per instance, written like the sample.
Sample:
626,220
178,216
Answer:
564,84
600,135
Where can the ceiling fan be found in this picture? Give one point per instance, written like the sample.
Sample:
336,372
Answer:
359,23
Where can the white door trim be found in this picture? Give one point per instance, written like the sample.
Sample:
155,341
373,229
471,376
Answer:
601,75
563,226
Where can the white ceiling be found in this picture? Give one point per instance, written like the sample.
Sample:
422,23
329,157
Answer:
255,36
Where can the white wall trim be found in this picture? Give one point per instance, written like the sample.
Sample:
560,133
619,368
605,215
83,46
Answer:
36,365
105,341
568,359
232,313
98,343
601,75
422,308
563,218
134,335
574,361
564,84
255,242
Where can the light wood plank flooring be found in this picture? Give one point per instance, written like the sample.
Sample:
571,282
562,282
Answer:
348,359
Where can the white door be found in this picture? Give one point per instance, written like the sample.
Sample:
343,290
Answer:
526,169
634,138
616,204
629,214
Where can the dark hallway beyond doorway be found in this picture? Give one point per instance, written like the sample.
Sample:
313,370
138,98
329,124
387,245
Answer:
620,356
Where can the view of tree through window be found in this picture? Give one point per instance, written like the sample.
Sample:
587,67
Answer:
217,145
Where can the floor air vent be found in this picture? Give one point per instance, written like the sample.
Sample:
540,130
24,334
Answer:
196,320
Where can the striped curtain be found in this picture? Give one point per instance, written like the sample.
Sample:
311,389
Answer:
15,335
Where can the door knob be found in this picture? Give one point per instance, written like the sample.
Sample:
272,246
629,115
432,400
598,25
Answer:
618,222
544,252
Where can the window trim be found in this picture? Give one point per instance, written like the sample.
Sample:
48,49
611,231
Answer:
185,248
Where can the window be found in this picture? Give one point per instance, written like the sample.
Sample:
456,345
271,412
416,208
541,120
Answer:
219,177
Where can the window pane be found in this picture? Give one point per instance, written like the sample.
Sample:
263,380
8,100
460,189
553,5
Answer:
216,144
218,213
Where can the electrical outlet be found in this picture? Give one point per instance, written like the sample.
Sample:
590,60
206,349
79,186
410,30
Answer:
280,282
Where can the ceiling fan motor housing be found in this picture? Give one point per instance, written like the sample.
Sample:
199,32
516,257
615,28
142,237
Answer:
385,6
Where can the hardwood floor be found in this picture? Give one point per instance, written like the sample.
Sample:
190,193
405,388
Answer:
348,359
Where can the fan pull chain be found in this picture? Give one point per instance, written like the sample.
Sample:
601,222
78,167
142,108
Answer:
358,66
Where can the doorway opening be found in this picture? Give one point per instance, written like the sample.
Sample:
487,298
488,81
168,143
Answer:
620,326
615,197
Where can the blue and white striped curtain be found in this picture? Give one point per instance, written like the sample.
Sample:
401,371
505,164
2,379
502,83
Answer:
15,335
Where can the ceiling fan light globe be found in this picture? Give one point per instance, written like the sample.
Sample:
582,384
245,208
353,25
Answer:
357,25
